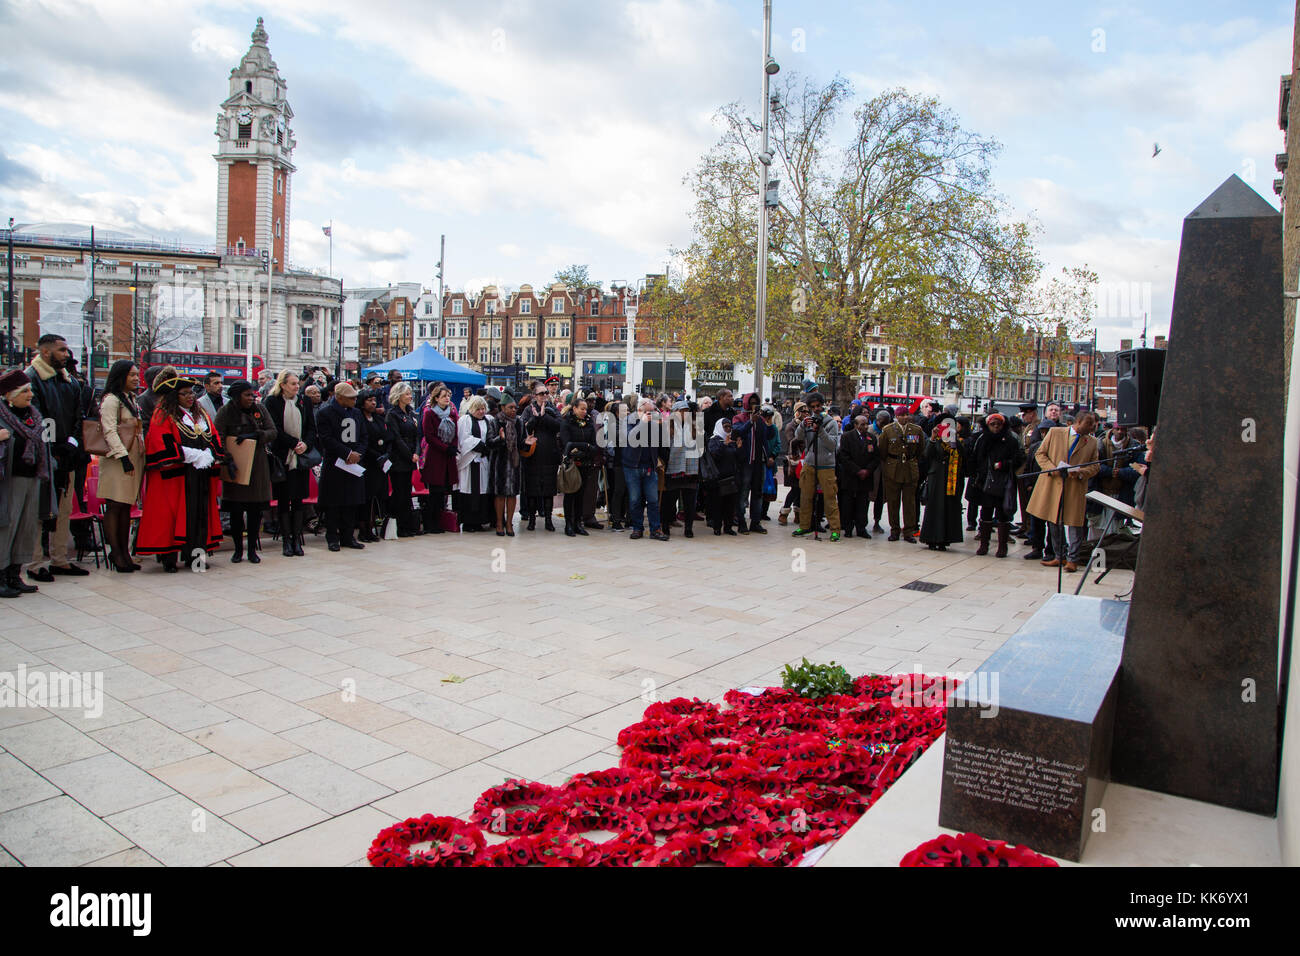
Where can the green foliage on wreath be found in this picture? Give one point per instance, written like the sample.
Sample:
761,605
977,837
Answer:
817,680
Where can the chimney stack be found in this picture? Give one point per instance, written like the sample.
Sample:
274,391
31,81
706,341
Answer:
1125,344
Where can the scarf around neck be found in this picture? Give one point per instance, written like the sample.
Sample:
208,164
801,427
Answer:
446,428
29,426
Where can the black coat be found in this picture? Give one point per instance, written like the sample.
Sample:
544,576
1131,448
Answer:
338,488
540,467
855,453
578,440
1002,450
726,457
284,443
403,438
377,448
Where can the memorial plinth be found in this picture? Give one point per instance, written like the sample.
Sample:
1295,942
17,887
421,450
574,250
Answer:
1027,752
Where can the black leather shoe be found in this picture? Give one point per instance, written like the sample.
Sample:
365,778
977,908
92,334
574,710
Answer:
1033,555
335,546
71,571
43,575
593,524
354,545
635,536
658,536
550,525
582,531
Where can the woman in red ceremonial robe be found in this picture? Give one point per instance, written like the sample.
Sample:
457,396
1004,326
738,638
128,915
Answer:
182,454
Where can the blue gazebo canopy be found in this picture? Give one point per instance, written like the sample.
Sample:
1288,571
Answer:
427,364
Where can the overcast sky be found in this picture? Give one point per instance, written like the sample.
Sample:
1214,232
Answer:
538,134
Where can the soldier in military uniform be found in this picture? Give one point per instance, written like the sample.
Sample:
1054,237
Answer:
901,444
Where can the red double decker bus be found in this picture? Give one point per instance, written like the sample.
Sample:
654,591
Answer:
874,400
198,364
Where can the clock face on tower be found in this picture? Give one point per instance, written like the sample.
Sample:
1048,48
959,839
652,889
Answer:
245,115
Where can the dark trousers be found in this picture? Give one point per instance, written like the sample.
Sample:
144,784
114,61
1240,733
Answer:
672,497
855,506
722,511
340,523
590,485
432,508
244,518
616,494
749,479
399,499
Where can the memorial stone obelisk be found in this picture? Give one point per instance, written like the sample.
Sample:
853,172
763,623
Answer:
1197,707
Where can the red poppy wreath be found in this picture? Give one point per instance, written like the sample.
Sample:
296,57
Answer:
759,781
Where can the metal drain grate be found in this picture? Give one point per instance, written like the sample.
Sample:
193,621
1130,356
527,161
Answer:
927,586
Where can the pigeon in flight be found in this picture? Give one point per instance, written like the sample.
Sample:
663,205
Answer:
1155,150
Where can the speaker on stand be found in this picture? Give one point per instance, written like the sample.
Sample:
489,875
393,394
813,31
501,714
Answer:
1139,374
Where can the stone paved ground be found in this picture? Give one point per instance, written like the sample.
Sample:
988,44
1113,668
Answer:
225,736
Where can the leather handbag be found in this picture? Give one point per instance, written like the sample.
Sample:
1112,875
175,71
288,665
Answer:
94,441
279,471
568,479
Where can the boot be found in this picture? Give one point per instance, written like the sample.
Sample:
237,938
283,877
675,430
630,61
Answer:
299,517
783,516
13,580
986,528
549,525
288,534
532,522
237,534
253,557
1004,538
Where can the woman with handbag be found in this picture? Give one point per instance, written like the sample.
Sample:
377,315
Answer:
474,499
578,439
296,451
438,467
403,429
182,453
242,419
945,456
121,467
25,467
542,423
720,476
997,456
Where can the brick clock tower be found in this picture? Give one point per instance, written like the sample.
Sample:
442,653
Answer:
254,148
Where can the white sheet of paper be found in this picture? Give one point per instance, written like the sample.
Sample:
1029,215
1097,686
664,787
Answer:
1062,464
356,469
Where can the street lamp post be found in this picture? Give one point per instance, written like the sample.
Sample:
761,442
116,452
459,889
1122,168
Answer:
770,69
9,299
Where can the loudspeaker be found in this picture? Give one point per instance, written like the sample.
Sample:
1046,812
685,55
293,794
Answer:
1139,374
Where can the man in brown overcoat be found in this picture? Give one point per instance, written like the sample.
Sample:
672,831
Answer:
1074,446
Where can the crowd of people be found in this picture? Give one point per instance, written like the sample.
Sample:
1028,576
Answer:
203,460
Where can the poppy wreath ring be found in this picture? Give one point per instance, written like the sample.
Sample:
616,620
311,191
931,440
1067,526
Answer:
454,843
502,809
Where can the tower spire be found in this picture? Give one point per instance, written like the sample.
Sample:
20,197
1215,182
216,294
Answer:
259,34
